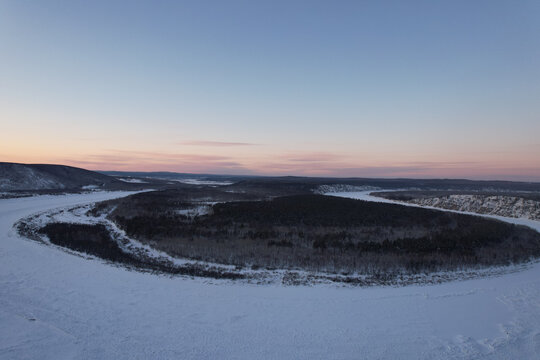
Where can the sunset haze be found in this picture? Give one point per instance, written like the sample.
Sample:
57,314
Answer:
370,89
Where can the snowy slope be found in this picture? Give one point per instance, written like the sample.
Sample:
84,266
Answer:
44,176
510,206
54,305
21,177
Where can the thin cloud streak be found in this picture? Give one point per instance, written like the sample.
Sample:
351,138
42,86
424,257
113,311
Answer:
215,143
157,161
301,164
159,156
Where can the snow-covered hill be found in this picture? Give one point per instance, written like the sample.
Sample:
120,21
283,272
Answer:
42,176
509,206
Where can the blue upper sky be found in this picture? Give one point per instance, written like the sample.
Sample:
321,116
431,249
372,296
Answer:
359,88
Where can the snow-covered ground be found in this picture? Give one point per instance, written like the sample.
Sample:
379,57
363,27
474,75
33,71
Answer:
21,177
54,305
202,182
132,180
510,206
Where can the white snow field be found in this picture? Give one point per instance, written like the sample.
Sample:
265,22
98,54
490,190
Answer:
54,305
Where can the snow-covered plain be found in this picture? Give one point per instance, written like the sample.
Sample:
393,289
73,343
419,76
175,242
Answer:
54,305
132,180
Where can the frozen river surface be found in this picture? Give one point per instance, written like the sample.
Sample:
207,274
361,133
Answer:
54,305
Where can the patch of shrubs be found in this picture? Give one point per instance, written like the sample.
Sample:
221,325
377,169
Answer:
96,240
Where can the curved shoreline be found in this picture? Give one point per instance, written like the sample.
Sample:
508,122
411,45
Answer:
152,260
55,305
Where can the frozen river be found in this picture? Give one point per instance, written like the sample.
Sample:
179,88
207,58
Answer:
54,305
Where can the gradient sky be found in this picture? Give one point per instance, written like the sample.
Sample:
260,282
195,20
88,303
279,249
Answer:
333,88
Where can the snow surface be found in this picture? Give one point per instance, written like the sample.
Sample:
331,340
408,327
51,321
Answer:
510,206
203,182
90,187
132,180
54,305
203,208
21,177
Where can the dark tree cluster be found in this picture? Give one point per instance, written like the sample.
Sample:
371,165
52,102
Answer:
95,240
328,233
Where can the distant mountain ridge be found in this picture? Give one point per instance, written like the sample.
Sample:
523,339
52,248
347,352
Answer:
176,175
36,177
14,177
333,184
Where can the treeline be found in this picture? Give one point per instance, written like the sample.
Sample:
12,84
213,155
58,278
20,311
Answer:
91,239
96,240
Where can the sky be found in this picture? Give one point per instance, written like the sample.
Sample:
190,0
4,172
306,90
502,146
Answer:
420,89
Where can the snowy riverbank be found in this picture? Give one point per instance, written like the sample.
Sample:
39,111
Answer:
54,305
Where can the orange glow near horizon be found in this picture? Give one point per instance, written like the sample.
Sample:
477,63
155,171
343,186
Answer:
262,160
332,91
